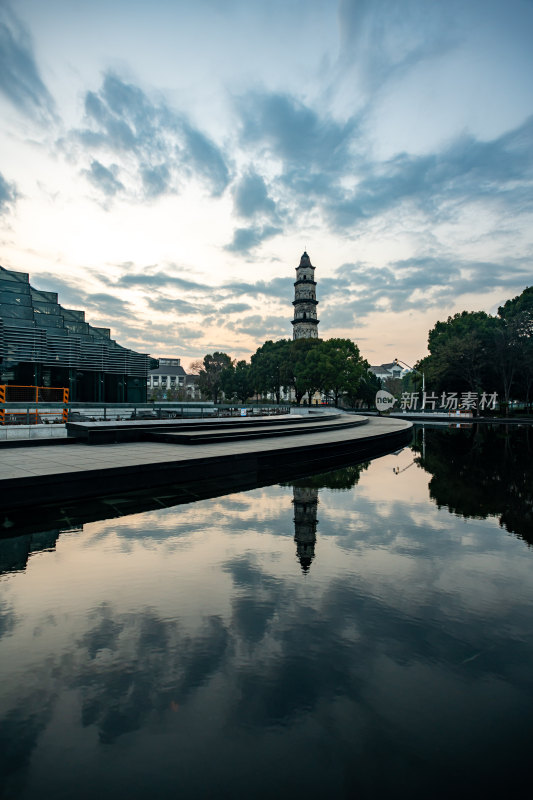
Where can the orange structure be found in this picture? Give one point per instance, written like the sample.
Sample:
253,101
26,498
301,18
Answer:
35,396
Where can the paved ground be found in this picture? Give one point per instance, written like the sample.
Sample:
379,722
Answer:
54,460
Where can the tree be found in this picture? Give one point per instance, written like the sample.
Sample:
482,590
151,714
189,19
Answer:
339,367
296,371
461,351
269,367
210,377
478,352
241,381
514,349
369,385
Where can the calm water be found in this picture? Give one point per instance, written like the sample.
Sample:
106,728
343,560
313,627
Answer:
362,633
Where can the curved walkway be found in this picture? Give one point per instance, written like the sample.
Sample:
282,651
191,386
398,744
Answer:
41,475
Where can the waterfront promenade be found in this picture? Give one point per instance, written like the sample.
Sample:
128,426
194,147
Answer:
31,476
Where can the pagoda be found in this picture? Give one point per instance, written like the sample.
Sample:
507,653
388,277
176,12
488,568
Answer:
305,323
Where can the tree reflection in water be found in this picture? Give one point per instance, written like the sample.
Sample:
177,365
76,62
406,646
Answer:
180,650
486,471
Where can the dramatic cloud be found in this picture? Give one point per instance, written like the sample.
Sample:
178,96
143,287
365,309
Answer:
383,39
468,170
246,239
395,143
414,284
158,279
20,80
8,195
235,308
158,148
251,197
281,288
322,166
260,327
291,131
104,178
100,304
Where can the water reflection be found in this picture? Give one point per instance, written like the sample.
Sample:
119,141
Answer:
486,471
305,502
183,651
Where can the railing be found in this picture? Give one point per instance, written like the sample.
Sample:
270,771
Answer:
25,413
38,396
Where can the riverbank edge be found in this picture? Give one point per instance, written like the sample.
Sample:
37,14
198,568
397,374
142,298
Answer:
256,464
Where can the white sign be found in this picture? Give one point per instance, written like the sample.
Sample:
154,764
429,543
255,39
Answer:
243,412
384,400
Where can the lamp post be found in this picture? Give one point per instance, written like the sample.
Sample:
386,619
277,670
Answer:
397,361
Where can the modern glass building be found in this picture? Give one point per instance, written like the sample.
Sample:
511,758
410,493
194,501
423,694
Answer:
44,344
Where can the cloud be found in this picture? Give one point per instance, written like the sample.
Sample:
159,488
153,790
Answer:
157,280
467,170
186,333
281,288
235,308
104,178
176,305
20,80
8,195
358,290
158,149
156,180
262,328
295,133
251,196
246,239
110,305
71,296
206,159
325,167
382,39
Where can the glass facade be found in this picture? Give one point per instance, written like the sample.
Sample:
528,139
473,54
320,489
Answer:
44,344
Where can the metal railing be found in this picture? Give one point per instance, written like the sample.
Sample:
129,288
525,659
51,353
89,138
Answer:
38,396
32,412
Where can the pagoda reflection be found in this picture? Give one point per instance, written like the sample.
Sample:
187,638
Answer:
305,501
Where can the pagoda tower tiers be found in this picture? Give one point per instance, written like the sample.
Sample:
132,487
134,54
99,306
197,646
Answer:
305,323
305,501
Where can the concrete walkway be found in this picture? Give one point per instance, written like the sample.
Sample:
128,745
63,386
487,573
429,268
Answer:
34,475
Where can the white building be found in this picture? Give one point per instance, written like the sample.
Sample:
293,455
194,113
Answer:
169,375
386,371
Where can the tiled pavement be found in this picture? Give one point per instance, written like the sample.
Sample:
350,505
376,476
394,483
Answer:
55,459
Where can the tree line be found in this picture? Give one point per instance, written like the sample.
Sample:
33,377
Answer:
333,367
475,351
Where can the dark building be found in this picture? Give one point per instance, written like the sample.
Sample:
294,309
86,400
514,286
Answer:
44,344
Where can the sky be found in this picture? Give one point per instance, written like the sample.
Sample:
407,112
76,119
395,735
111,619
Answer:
164,165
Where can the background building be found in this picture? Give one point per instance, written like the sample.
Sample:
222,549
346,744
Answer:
168,375
169,381
44,344
387,371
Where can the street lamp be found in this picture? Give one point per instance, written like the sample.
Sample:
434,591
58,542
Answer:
397,361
